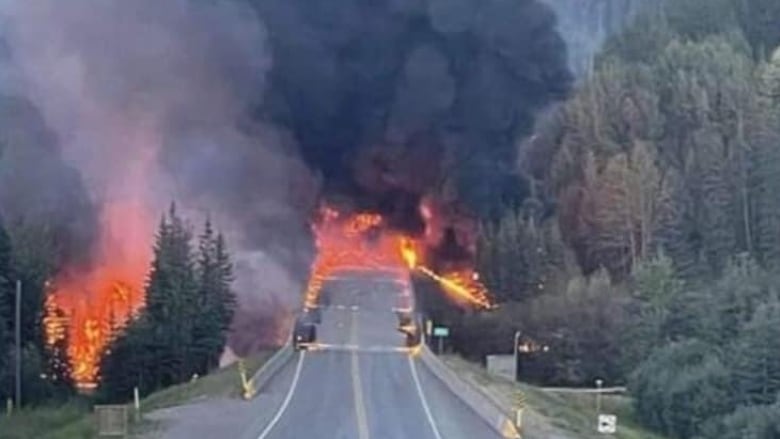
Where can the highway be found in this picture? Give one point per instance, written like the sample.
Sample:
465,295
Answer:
361,383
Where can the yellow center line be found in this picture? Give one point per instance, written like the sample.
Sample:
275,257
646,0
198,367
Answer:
357,388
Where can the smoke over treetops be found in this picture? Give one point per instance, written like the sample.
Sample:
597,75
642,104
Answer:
252,110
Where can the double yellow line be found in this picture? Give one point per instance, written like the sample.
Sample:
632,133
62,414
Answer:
357,387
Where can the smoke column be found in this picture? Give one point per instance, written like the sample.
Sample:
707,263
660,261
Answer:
398,99
253,110
149,101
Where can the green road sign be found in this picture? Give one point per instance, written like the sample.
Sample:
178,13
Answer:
441,331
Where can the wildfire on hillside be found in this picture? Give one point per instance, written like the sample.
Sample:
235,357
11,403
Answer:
86,306
362,242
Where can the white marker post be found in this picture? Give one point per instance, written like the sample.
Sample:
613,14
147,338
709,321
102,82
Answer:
18,341
137,403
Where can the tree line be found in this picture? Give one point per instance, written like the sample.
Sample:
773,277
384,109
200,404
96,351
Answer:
649,249
180,332
182,329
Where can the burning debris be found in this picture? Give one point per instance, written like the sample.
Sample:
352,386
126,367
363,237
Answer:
363,242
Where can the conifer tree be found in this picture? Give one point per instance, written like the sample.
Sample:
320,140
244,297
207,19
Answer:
757,368
6,315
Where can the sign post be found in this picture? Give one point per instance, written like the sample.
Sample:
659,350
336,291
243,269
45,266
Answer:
440,332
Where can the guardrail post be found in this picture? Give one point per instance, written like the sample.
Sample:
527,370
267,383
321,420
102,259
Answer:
519,409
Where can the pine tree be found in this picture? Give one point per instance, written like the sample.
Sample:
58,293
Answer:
6,315
228,301
171,298
764,132
757,352
216,300
189,308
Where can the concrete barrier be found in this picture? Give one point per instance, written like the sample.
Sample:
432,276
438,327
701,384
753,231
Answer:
271,367
485,406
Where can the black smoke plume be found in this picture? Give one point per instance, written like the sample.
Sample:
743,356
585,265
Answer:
392,100
253,109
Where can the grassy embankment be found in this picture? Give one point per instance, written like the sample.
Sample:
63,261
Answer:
74,420
554,415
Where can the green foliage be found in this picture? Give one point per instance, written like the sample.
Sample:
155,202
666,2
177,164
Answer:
756,354
681,386
517,256
214,273
747,422
712,348
664,168
183,328
6,313
582,325
654,323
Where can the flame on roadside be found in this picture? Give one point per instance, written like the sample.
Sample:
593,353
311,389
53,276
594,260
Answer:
87,306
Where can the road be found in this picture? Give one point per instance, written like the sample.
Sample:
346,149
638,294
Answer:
362,383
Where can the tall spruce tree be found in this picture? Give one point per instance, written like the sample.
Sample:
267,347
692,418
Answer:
757,369
189,307
216,300
6,315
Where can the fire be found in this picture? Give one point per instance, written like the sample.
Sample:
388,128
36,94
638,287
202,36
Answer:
409,252
463,286
360,242
350,243
86,307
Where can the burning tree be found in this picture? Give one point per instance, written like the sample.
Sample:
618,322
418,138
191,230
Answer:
88,305
182,328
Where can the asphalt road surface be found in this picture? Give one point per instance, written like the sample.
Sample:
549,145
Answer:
362,383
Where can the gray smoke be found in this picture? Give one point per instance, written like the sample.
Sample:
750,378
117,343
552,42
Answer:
218,105
586,25
150,101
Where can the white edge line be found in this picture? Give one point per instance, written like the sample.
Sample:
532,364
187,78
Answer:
287,398
422,398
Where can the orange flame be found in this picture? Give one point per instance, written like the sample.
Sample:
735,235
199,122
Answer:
86,307
463,286
359,242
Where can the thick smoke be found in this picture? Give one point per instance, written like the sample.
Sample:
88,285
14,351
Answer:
393,100
38,191
151,102
250,110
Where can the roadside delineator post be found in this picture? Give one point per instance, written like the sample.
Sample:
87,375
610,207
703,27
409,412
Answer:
137,403
519,409
9,406
246,385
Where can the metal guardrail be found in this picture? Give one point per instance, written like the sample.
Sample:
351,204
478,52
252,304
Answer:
271,367
604,390
483,404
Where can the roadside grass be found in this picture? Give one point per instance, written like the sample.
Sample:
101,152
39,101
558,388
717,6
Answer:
74,419
64,421
551,414
224,382
576,412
